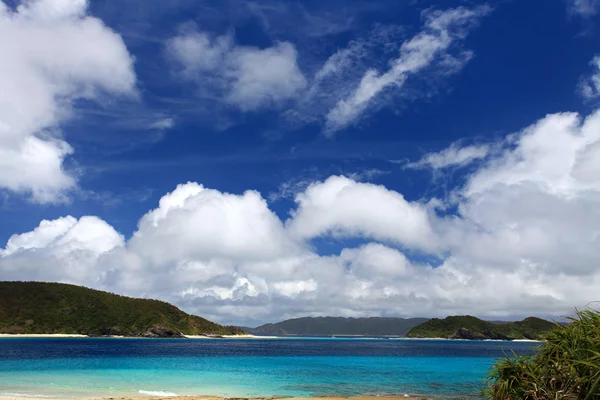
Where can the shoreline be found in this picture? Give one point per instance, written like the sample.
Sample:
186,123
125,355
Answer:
472,340
246,336
75,335
239,337
208,397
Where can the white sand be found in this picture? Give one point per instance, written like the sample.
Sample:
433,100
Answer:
63,335
230,337
398,397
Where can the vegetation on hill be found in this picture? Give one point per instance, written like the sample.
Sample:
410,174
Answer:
40,307
326,326
567,365
468,327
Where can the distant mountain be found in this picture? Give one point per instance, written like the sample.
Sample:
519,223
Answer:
327,326
39,307
468,327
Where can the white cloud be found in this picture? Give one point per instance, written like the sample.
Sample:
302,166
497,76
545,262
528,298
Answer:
65,249
345,208
376,260
583,8
440,31
525,240
556,155
40,237
337,93
47,63
294,288
200,223
453,156
251,78
534,204
163,123
589,87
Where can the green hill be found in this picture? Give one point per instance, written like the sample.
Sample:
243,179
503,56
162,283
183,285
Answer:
468,327
327,326
39,307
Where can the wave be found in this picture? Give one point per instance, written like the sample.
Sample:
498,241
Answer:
13,394
157,393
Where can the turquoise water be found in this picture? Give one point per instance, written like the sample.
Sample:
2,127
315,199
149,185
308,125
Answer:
246,368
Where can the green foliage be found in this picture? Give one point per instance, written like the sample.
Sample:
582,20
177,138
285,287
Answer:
468,327
339,326
40,307
567,366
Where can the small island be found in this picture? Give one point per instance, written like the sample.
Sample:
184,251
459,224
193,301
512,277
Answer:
471,328
58,308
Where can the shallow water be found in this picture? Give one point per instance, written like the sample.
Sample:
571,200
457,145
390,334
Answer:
248,368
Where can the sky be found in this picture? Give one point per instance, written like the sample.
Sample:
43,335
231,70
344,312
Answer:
252,161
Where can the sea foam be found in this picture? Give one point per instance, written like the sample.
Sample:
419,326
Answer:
156,393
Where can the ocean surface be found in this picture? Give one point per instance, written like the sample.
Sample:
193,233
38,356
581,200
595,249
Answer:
69,367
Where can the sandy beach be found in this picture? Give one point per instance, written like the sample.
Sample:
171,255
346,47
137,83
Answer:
62,335
247,336
230,337
398,397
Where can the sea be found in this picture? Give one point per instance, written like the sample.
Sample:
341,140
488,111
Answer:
297,367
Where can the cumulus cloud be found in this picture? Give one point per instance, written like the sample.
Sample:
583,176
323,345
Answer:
535,204
250,78
523,240
342,207
47,64
441,30
589,87
556,154
238,227
453,156
583,8
65,250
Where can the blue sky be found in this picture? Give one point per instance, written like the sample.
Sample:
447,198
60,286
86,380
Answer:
276,96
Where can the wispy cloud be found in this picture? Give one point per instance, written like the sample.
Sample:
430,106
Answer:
289,189
367,175
583,8
329,18
163,123
335,92
453,156
112,199
589,86
441,30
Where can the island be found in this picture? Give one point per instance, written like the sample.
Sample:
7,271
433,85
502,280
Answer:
472,328
58,308
339,326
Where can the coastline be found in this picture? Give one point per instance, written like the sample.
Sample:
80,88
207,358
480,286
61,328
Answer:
246,336
74,335
469,340
198,397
